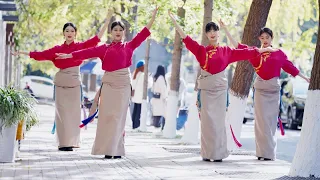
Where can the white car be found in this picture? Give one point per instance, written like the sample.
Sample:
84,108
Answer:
42,87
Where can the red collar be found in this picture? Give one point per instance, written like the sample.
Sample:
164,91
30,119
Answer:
65,43
209,47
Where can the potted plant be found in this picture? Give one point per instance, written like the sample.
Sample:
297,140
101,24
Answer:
15,105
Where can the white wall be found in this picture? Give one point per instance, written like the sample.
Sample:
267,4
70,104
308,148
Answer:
2,49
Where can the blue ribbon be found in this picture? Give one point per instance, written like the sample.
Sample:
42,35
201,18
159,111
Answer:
53,128
87,121
54,122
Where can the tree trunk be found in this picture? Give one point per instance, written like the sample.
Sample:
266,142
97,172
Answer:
192,127
93,82
172,104
176,57
134,31
113,18
207,17
244,72
146,70
257,19
306,161
85,80
144,106
230,75
128,34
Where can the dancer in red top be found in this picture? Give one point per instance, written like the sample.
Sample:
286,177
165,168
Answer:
115,92
213,86
68,84
267,92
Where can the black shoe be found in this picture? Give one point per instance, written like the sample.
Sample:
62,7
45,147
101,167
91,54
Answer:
218,160
263,159
205,159
116,157
107,157
65,149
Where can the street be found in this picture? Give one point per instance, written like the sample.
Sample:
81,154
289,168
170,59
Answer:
286,145
148,156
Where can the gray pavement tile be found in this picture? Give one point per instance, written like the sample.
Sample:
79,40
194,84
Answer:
148,156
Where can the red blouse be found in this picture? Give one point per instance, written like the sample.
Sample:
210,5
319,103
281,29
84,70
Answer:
50,54
269,64
216,59
116,55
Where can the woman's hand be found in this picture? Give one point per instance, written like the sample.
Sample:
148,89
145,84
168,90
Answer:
63,56
308,80
110,14
178,28
267,49
154,14
155,11
171,16
16,53
304,77
222,25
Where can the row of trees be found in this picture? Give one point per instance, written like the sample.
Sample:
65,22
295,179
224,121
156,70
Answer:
41,22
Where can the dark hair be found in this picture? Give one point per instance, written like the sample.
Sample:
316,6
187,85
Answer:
212,26
118,23
69,24
266,30
160,72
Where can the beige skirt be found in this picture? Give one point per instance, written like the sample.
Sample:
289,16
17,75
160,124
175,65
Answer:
213,96
68,106
266,109
113,106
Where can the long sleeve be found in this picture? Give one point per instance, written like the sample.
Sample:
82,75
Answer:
241,54
133,84
196,49
49,54
89,43
139,38
92,52
150,82
242,46
136,80
163,87
289,67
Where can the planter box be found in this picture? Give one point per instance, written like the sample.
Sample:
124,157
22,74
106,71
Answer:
7,144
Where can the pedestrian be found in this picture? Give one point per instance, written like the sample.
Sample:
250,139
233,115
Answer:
116,89
159,96
67,84
137,93
212,87
267,91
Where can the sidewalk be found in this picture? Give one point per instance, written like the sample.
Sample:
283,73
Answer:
147,157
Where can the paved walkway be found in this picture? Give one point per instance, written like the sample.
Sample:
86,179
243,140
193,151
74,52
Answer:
148,157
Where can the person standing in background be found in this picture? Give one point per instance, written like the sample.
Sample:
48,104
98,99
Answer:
137,93
158,101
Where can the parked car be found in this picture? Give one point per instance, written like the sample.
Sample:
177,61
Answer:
293,102
249,110
41,87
